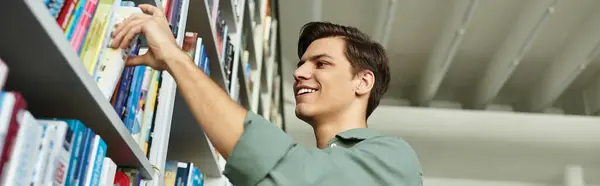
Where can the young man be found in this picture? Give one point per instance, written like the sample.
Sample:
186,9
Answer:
339,81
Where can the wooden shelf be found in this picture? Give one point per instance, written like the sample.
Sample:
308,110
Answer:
51,77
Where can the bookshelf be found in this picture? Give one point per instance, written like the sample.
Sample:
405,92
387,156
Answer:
50,75
45,68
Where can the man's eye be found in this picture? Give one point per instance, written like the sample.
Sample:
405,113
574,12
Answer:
321,64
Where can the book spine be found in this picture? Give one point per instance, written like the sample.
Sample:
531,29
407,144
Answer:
3,75
141,103
134,93
74,19
83,24
19,168
83,158
96,53
149,109
7,101
89,170
78,136
109,168
63,155
182,174
65,13
123,89
98,163
44,154
86,26
13,127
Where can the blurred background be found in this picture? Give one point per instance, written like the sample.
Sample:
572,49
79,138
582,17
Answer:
488,92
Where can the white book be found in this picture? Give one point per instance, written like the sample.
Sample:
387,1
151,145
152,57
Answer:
113,60
44,154
3,73
197,56
92,161
8,102
109,169
60,153
19,169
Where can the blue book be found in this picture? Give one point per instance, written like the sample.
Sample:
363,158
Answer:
196,178
121,98
182,174
97,154
78,136
134,97
206,66
84,157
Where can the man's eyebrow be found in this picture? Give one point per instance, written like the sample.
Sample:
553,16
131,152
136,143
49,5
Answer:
315,57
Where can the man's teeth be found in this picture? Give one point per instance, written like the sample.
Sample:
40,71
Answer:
305,90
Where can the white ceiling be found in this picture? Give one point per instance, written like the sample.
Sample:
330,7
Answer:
547,78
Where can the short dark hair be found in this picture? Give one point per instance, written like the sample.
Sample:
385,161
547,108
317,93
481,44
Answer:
362,52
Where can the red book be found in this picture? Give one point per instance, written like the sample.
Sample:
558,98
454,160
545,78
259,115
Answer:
13,127
65,13
83,25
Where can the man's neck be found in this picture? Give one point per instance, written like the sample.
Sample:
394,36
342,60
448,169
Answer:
325,129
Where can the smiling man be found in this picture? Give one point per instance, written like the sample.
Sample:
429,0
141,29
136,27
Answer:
340,78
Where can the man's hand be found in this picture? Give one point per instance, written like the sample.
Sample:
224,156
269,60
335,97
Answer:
154,25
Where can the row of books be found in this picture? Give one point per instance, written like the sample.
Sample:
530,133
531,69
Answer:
48,151
182,174
193,46
133,91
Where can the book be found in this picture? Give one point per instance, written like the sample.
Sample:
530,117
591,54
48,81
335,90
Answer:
3,74
95,160
83,161
77,149
113,61
65,13
19,169
82,26
149,110
74,19
43,151
12,103
109,169
98,34
60,152
170,173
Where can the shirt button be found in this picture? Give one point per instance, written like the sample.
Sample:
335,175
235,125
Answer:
333,145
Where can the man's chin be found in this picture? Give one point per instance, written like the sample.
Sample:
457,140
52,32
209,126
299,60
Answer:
304,114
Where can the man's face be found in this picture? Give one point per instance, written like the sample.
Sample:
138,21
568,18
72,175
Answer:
323,80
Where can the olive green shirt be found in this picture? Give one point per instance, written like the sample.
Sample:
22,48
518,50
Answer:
265,155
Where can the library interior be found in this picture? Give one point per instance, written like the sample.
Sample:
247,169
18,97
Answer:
486,92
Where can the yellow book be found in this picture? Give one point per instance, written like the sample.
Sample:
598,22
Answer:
149,111
97,36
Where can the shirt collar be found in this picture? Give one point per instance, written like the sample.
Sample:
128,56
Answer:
356,134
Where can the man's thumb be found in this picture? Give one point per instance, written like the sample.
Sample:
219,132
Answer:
137,60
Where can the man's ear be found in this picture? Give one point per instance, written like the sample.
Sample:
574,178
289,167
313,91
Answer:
366,80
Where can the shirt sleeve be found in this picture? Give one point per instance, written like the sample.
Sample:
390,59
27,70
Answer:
265,155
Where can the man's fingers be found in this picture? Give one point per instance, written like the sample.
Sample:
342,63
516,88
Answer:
152,10
135,30
123,31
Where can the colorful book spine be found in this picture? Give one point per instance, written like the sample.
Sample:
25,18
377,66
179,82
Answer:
126,78
141,103
133,99
96,51
74,19
83,25
92,175
65,13
78,137
149,107
84,157
170,173
58,161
